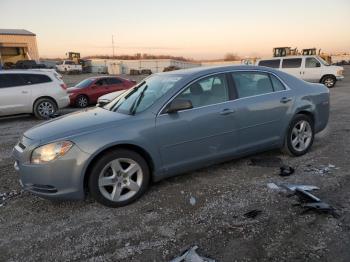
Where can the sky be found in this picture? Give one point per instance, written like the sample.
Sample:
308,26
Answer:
199,29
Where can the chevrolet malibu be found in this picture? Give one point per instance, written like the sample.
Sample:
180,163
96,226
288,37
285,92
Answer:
168,124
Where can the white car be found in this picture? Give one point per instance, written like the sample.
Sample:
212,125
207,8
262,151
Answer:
309,68
38,92
105,99
68,66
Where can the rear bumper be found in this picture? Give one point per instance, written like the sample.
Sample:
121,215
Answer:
63,102
61,179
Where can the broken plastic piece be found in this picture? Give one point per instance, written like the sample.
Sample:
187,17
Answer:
192,201
191,255
286,170
253,214
273,186
320,207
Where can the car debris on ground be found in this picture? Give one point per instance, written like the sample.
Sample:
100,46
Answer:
192,201
4,197
191,255
322,170
286,170
253,213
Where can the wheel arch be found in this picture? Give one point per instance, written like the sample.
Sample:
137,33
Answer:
46,97
138,149
331,75
307,113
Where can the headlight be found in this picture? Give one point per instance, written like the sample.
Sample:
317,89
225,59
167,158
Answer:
340,72
49,152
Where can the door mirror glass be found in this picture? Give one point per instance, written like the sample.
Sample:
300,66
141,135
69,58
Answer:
179,104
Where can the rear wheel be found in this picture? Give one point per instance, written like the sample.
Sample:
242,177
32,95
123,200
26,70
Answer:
119,178
300,136
329,81
44,108
82,101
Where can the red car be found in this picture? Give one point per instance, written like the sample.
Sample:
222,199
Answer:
89,90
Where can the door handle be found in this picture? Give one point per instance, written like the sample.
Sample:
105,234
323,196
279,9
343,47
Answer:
24,92
285,100
227,111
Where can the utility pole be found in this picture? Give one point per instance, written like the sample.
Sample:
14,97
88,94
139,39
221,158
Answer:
113,44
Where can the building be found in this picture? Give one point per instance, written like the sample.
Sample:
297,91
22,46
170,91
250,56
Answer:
17,44
155,65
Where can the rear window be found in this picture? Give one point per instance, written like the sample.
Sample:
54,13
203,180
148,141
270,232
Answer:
252,83
291,63
270,63
11,80
32,79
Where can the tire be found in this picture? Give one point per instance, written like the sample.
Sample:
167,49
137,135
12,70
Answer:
111,185
44,108
299,139
82,101
329,81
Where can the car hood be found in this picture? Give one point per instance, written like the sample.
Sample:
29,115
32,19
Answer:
73,124
111,96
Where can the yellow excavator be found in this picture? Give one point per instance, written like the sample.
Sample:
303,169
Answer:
284,51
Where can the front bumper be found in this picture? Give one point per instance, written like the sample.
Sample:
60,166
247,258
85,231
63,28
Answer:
340,78
61,179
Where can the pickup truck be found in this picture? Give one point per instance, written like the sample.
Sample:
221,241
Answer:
68,66
28,64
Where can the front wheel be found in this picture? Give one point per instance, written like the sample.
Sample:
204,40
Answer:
119,178
300,136
82,101
329,81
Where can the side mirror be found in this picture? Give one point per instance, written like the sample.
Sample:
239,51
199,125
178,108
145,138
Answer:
179,104
318,64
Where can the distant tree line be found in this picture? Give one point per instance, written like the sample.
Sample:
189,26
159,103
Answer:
139,56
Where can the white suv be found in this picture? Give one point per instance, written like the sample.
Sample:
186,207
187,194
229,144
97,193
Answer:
309,68
40,92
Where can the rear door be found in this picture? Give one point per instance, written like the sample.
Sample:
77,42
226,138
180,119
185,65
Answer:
260,109
197,136
312,70
292,66
15,95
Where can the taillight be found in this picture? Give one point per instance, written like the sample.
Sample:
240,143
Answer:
64,86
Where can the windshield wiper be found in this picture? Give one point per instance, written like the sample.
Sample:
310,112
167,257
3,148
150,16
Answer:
137,101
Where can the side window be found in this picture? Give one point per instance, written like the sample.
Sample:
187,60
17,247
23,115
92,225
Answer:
207,91
311,62
277,85
270,63
114,81
291,63
101,82
32,79
251,83
11,80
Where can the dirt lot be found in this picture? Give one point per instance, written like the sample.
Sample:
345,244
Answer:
164,222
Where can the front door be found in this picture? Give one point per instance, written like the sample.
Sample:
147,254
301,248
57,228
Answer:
197,136
261,107
312,70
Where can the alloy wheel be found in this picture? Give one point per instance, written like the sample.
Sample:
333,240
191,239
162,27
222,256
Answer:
120,179
82,101
301,136
329,82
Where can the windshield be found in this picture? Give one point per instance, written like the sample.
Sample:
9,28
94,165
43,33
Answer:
84,83
322,61
143,95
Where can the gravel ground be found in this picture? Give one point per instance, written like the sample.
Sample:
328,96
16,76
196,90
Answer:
167,220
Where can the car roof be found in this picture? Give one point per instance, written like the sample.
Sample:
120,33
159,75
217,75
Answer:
287,57
204,70
25,71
